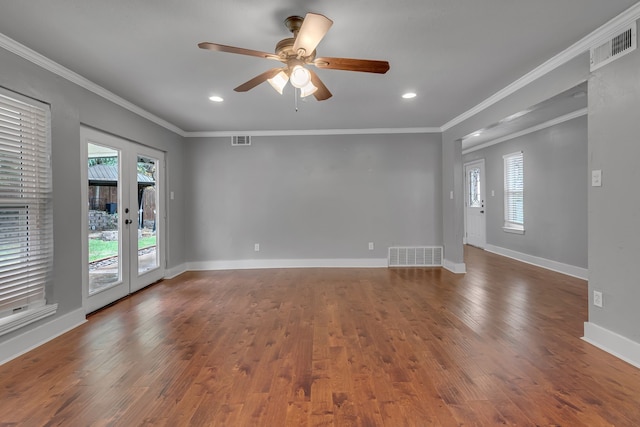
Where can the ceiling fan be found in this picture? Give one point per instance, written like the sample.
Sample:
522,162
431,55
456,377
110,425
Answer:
298,51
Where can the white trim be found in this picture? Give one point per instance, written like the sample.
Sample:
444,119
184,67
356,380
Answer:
39,335
455,267
49,65
553,122
513,230
172,272
559,267
247,264
26,317
600,34
621,347
307,132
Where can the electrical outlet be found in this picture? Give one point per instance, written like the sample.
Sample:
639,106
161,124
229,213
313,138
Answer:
596,178
256,247
370,246
597,298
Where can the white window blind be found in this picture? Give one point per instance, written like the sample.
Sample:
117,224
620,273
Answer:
26,229
514,191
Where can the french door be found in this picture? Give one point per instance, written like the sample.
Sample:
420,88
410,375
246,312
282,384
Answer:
123,217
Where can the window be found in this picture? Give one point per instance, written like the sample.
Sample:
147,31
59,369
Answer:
514,193
26,228
473,177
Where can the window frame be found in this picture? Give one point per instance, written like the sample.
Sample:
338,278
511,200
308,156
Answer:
26,211
514,192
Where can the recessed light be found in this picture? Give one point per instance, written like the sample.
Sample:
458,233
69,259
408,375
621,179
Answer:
409,95
216,98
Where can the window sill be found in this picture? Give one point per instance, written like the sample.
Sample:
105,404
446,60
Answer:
513,230
16,321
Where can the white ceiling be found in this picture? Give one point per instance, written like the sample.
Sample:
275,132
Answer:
453,53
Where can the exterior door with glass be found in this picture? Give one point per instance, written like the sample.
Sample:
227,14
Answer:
475,219
123,219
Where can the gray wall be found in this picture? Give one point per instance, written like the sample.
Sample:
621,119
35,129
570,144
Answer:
562,78
614,208
556,185
313,197
72,105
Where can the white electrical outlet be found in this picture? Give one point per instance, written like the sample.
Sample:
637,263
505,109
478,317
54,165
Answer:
256,247
370,246
596,178
597,298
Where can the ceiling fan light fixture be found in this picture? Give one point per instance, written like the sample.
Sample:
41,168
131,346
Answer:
309,89
279,81
300,77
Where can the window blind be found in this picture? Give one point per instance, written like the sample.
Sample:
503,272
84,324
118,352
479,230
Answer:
514,190
26,220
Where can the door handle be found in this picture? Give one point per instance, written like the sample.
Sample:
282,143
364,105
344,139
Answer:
481,211
128,221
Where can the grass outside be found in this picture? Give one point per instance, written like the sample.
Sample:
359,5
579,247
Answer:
99,249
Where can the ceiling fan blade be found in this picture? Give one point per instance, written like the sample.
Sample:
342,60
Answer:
313,29
232,49
351,64
322,93
257,80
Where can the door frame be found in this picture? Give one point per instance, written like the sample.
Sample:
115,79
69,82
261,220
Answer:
484,191
128,260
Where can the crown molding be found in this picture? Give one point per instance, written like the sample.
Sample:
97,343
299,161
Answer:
49,65
594,38
309,132
578,113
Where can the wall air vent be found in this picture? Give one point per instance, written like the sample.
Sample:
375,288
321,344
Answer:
240,140
624,42
415,256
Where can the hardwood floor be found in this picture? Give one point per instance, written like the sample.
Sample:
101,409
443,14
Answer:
367,347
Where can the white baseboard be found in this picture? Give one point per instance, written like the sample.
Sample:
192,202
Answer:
621,347
247,264
570,270
20,344
455,267
172,272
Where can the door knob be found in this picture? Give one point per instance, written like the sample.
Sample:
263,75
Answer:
481,211
127,221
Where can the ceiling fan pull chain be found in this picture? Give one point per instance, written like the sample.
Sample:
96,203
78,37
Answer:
295,97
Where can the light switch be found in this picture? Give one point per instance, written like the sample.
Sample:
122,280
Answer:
451,195
596,178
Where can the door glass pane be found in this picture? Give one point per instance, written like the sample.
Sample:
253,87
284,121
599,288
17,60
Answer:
104,233
475,200
147,214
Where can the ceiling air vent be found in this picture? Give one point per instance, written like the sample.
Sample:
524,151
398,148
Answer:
621,44
240,140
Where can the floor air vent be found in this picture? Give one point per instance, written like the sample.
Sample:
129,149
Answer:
415,256
621,44
240,140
